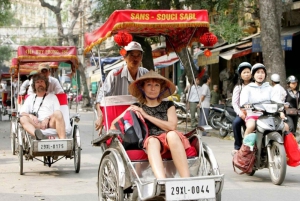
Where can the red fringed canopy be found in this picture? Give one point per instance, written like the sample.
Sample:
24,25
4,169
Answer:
176,25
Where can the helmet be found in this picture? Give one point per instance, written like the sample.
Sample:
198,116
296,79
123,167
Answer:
275,78
242,66
292,79
257,66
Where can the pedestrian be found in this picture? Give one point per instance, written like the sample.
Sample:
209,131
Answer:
292,99
278,90
244,72
193,100
118,80
204,102
215,95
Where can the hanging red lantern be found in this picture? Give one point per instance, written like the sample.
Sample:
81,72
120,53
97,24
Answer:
123,38
207,53
123,52
208,39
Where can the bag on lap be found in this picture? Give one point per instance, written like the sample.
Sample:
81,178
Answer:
244,159
133,136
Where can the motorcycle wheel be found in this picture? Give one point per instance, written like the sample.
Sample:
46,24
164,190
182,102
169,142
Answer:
213,118
277,163
181,115
223,132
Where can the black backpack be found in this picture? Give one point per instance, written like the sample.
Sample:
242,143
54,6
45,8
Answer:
134,137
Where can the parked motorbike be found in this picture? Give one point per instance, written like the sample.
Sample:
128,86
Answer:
181,112
269,141
215,115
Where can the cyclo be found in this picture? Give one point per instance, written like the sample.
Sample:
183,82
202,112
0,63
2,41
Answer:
126,174
51,149
4,108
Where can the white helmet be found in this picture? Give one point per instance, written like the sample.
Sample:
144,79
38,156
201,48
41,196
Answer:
275,78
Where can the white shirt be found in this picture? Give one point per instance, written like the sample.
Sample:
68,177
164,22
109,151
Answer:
205,92
46,109
194,94
278,90
54,87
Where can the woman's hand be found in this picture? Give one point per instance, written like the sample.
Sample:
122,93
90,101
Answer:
282,116
139,111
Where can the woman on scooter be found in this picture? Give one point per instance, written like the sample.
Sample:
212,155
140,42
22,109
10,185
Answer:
244,72
255,92
293,98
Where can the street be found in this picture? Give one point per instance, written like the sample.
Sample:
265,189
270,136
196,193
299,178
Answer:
60,182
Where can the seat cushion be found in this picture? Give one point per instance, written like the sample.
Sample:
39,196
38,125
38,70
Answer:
139,155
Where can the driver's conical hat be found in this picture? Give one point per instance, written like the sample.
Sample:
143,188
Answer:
135,88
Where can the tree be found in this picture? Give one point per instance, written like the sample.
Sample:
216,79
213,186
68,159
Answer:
270,19
75,9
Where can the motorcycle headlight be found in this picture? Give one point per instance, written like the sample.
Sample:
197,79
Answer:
270,108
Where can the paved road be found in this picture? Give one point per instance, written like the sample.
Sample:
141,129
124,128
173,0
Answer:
60,182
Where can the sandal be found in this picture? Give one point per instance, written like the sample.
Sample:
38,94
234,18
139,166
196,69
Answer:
39,135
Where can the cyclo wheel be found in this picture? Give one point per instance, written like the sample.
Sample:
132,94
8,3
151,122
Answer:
109,188
13,140
206,169
214,117
277,170
77,150
21,159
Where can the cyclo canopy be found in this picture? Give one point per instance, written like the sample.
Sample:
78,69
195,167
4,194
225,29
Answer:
180,27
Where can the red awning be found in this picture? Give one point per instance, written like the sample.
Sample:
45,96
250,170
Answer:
26,68
165,60
177,25
32,54
235,53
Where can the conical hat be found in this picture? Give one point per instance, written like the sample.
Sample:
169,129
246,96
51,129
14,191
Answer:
135,89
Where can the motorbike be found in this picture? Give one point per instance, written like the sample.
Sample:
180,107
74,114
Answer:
269,141
222,118
181,112
215,115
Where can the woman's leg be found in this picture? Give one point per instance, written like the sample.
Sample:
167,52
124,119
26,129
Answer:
154,157
178,154
237,126
250,126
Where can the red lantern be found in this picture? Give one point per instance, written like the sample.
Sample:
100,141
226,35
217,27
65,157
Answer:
208,39
207,53
123,52
123,38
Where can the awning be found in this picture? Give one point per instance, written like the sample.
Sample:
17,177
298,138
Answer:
112,66
287,34
165,60
235,53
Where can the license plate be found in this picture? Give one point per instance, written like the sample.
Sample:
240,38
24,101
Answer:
193,189
52,146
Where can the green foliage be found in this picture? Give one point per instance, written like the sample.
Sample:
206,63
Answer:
41,42
5,53
6,16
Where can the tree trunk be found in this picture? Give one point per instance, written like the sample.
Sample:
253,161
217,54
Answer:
74,10
270,19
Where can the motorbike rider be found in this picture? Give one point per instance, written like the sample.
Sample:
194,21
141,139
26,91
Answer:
244,73
292,98
278,90
257,92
